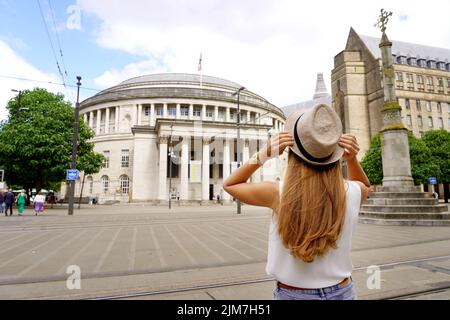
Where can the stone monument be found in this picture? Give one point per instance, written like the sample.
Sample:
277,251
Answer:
398,201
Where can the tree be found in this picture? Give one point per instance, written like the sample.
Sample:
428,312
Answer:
37,140
422,167
438,141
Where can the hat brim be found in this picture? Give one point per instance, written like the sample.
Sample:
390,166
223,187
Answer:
289,127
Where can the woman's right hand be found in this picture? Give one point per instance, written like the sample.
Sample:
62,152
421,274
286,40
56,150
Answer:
276,145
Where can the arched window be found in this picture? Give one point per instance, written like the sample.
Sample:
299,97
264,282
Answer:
90,183
105,184
124,184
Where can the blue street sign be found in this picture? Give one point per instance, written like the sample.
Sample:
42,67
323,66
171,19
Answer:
72,175
432,180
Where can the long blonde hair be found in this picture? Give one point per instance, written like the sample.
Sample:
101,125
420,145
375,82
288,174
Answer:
311,211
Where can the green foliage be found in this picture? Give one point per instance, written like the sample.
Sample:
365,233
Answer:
438,141
37,141
371,163
424,159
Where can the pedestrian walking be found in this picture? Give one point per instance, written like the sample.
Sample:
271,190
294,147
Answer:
314,211
218,199
21,200
9,202
39,200
2,201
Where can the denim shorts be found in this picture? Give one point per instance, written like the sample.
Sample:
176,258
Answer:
335,292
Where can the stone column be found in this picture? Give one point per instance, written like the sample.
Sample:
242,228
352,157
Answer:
116,120
162,179
184,179
216,113
91,119
152,114
226,165
178,114
99,117
191,111
107,121
248,116
139,115
245,151
205,169
165,110
227,114
203,112
85,118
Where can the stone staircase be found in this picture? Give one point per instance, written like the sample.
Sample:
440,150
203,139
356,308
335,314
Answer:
404,206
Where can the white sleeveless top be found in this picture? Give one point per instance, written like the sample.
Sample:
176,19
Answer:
326,270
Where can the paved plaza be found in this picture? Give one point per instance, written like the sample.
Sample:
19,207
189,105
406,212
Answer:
208,252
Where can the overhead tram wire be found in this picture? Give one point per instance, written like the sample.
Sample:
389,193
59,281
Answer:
58,38
51,45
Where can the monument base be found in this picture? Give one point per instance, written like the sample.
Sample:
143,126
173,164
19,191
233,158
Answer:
403,205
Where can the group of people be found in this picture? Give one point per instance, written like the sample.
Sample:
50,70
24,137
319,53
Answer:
8,199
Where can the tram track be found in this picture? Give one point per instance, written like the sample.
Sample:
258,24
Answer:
187,289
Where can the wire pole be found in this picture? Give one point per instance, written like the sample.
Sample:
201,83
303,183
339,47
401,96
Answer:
74,147
238,141
170,168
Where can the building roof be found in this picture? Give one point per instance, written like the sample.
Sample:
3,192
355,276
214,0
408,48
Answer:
407,49
180,77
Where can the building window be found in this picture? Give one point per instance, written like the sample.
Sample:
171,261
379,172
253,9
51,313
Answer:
401,60
419,79
172,111
105,184
448,107
409,77
431,64
407,104
430,122
429,106
439,108
124,184
412,61
441,65
106,154
90,185
440,123
418,106
221,114
209,113
147,111
448,83
429,80
408,120
439,82
422,63
159,111
419,121
399,76
184,110
197,112
125,158
231,115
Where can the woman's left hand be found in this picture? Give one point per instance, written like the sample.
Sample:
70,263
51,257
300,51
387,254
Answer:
350,145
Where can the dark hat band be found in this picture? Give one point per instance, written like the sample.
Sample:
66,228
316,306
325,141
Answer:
302,149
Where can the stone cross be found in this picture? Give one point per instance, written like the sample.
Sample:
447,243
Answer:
383,20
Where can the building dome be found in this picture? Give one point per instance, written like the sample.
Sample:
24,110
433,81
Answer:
181,125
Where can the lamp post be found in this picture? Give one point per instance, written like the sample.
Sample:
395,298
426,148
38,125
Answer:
238,141
74,147
170,167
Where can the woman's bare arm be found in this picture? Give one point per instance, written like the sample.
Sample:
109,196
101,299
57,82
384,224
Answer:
354,170
264,194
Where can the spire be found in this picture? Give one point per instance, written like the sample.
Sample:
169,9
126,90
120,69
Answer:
321,89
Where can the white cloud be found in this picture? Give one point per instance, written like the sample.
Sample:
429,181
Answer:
274,48
13,65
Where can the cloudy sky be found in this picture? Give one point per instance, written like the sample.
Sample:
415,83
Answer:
273,47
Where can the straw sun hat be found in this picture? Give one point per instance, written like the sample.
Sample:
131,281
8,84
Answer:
316,134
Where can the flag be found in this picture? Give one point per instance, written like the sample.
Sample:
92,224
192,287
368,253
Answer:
200,63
